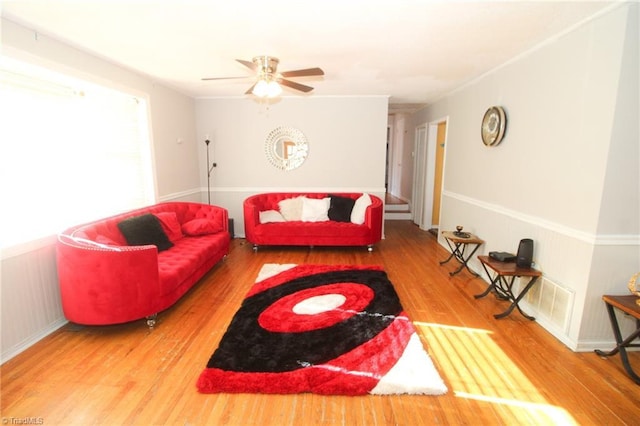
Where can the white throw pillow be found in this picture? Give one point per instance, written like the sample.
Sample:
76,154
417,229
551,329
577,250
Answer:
315,210
291,208
268,216
360,208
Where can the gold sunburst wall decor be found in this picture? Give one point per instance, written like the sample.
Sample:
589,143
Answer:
633,286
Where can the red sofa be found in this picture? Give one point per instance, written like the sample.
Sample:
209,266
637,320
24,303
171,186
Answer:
305,233
105,280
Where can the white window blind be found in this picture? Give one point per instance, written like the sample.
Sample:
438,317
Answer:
70,152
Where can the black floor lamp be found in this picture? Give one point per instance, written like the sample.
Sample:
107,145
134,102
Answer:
209,168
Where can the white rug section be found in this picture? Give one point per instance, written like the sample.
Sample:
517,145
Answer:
319,304
268,270
414,373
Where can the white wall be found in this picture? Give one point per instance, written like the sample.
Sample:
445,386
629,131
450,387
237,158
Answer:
30,304
566,174
172,114
347,147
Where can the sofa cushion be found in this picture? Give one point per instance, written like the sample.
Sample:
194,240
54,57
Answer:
360,208
340,208
197,227
144,230
170,225
101,239
291,208
269,216
315,210
176,265
328,229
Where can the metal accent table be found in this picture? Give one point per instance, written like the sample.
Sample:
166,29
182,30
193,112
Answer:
626,304
505,274
458,243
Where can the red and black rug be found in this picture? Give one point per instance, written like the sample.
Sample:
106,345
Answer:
326,329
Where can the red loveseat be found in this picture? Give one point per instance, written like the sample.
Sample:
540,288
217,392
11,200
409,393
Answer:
105,280
310,233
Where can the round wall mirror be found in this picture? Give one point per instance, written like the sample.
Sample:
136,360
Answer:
286,148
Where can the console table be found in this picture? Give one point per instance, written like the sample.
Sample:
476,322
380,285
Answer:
628,305
505,274
458,243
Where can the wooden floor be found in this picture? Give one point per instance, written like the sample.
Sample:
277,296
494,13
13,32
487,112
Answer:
507,371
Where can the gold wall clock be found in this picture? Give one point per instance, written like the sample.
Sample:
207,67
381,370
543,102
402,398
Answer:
493,126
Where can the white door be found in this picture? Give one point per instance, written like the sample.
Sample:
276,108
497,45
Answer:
419,175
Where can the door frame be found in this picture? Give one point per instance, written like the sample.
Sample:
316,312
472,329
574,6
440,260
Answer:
425,184
420,144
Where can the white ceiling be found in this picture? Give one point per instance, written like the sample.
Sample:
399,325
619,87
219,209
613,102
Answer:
413,51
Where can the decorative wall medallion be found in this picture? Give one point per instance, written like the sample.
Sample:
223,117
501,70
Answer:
286,148
634,286
493,126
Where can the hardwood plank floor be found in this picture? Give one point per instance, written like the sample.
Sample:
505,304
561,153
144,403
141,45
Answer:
508,371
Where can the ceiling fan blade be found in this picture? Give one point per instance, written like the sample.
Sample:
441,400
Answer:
247,64
250,91
303,73
225,78
295,85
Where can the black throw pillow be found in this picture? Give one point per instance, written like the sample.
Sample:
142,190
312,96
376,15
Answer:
144,230
340,208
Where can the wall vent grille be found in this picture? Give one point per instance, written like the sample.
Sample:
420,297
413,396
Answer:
549,300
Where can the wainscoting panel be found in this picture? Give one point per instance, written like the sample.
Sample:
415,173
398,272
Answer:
578,267
31,306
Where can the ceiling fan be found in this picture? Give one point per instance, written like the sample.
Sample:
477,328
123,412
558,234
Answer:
268,79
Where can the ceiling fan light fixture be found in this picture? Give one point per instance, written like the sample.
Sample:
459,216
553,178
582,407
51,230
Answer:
267,89
269,81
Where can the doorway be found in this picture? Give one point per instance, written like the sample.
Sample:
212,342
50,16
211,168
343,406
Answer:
437,180
428,173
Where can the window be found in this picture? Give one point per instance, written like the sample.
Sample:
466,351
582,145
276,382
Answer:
70,152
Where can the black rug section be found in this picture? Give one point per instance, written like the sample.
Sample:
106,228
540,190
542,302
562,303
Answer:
247,347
